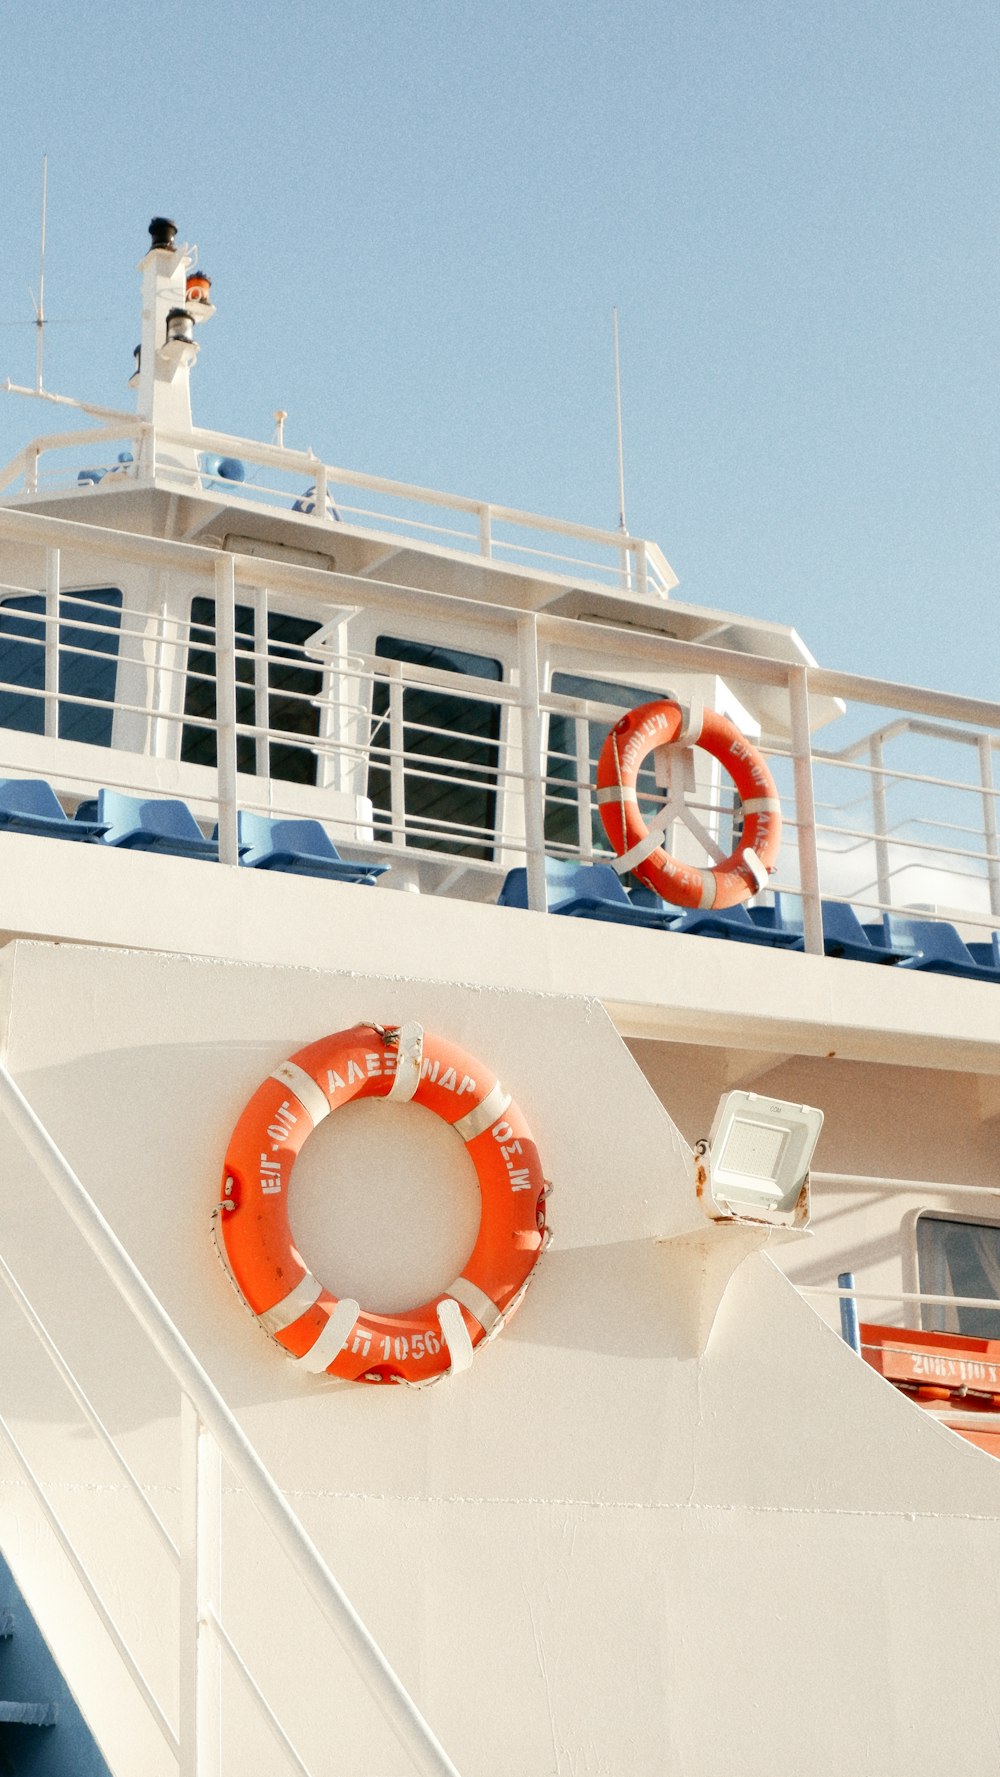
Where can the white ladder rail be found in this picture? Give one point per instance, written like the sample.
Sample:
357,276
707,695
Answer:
398,1708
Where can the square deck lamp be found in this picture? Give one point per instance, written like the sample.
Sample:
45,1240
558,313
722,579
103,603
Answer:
754,1166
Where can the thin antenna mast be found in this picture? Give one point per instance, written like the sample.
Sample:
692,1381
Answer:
40,304
622,526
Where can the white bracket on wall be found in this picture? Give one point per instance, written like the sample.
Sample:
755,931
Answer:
701,1265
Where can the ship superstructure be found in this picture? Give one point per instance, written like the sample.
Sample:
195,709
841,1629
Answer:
667,1496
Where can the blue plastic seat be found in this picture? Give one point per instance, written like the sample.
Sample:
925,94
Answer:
986,951
641,895
30,805
140,823
934,945
843,933
302,847
736,923
585,891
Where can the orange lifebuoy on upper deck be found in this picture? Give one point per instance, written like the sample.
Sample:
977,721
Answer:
668,723
337,1336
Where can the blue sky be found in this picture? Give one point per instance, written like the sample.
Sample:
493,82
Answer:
417,218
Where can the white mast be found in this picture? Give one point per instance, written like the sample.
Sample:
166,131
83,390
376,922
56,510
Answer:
40,304
622,526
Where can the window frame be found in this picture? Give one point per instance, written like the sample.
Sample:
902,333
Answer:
932,1315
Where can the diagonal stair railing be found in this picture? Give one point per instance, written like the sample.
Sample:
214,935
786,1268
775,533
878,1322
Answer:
210,1434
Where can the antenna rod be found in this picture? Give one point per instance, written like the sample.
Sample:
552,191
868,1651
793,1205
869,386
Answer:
622,526
40,315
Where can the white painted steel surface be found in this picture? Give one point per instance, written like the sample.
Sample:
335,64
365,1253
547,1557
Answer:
208,1429
606,1562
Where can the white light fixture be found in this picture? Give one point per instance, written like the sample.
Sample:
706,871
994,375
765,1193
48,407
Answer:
754,1166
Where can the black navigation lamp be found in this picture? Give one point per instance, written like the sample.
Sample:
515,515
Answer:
180,328
163,234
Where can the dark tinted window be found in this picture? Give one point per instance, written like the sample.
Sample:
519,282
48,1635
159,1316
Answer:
958,1258
561,814
451,745
293,681
88,641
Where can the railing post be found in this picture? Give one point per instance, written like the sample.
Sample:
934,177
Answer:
531,758
225,695
625,561
850,1331
201,1593
322,484
261,688
51,637
880,820
584,802
486,530
397,762
990,819
805,811
641,567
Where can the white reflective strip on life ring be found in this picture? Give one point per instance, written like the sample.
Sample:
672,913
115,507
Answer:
618,793
455,1334
709,889
484,1114
310,1096
333,1337
692,723
304,1296
409,1056
762,805
476,1301
638,853
751,860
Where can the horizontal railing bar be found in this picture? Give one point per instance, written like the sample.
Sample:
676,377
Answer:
62,1537
873,1295
889,774
927,730
199,560
917,700
959,1418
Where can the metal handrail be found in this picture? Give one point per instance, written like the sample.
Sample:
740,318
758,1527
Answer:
97,1603
652,565
343,744
873,1295
428,1756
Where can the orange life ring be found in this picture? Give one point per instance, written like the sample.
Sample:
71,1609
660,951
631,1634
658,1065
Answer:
669,723
336,1336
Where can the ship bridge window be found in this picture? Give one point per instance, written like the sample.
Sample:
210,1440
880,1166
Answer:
959,1258
89,625
451,746
561,776
276,694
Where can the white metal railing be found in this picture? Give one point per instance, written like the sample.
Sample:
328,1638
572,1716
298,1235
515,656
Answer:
883,1295
210,1434
495,532
240,711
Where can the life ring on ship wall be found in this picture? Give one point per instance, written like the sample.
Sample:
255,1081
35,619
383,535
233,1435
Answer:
338,1337
672,724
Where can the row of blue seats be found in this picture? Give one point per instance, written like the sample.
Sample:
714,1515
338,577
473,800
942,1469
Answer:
163,824
595,891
